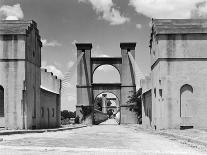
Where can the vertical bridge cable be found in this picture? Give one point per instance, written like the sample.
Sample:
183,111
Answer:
138,73
69,74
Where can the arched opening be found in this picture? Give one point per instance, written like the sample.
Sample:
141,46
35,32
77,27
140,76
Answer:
1,101
107,104
48,118
106,74
186,101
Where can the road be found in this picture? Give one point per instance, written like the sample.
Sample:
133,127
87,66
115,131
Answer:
101,139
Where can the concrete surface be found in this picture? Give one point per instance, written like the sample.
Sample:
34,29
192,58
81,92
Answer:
101,139
20,62
178,74
198,136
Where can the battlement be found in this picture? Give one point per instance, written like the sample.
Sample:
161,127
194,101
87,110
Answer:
178,39
19,27
50,82
179,26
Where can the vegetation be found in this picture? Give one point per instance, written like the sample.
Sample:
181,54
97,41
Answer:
98,103
108,103
66,116
86,111
135,104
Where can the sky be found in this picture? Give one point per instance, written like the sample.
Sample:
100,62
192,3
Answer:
104,23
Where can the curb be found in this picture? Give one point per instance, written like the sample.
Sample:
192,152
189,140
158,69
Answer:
183,138
39,131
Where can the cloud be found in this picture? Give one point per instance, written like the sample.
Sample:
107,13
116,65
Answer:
53,69
169,8
107,11
11,12
138,26
53,43
200,10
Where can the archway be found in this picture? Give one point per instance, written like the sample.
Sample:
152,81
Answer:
108,104
106,74
88,88
186,101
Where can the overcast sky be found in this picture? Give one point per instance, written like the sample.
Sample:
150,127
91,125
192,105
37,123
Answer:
104,23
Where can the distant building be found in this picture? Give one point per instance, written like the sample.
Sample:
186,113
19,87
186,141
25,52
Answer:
174,96
29,97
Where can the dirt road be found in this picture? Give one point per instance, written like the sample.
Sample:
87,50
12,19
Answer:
101,139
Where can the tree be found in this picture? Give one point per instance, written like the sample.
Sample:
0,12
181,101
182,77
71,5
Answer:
67,114
98,103
135,103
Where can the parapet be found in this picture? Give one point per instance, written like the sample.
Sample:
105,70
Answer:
84,46
18,27
179,26
129,45
49,82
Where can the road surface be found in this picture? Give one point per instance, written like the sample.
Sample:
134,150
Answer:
101,139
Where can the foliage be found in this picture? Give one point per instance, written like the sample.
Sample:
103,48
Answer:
135,103
98,103
109,103
86,111
110,112
66,121
67,114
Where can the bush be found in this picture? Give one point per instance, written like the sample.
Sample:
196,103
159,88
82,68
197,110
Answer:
135,104
67,114
77,120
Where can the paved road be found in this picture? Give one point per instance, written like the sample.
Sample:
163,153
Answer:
101,139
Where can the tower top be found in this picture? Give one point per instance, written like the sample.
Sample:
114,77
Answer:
179,26
83,46
129,45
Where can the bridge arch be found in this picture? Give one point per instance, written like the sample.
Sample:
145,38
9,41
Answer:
100,61
87,90
108,74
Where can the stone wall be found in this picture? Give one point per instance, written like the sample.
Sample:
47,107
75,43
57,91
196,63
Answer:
179,59
146,85
17,40
50,93
20,80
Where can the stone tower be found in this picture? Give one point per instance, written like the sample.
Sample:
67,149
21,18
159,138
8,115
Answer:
20,64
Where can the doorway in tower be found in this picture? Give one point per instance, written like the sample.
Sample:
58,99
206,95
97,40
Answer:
106,109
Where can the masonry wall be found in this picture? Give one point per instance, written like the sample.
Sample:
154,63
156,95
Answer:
179,60
48,109
167,108
23,93
50,92
146,86
84,80
128,86
12,72
33,78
